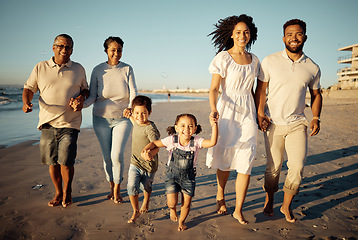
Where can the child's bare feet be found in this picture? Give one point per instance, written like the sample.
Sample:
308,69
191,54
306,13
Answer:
144,208
118,200
182,227
239,217
221,207
288,215
173,214
134,217
56,200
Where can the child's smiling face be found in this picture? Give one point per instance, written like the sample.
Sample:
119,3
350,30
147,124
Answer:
185,128
140,115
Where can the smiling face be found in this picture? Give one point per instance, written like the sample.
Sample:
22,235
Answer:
185,128
114,53
294,38
63,50
141,115
241,34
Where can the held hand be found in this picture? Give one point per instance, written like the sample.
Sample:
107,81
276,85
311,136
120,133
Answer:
27,107
213,121
315,127
127,112
264,122
146,155
77,103
214,115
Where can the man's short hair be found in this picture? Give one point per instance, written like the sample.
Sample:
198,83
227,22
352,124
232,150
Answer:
68,37
295,22
142,100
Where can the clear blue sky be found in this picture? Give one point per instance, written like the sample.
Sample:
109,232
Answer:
165,41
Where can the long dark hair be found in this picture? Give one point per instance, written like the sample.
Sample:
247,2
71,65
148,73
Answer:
171,129
221,37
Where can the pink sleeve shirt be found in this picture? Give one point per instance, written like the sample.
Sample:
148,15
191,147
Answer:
169,144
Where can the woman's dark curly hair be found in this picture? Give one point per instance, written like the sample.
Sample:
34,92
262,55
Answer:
171,129
224,28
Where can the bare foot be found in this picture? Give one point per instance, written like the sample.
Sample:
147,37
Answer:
182,227
56,200
268,208
144,208
239,217
67,200
288,215
110,196
173,215
118,200
221,207
134,217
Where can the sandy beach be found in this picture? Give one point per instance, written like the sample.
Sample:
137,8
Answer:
326,207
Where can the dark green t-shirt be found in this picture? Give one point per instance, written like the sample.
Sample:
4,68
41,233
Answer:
141,136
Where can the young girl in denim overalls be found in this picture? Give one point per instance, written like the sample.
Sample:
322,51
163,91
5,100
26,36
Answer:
183,152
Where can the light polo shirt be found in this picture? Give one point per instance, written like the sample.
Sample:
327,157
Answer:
287,86
57,85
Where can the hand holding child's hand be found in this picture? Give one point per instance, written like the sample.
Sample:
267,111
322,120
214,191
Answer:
213,118
127,112
146,155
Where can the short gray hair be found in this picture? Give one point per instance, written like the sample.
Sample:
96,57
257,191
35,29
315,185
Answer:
68,37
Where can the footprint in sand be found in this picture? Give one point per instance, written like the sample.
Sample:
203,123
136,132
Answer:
211,230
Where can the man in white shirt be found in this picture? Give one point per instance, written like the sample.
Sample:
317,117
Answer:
286,75
62,85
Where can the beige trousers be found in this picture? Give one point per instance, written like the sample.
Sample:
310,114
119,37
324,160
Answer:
293,139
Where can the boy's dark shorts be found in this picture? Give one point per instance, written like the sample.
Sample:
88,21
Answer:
58,145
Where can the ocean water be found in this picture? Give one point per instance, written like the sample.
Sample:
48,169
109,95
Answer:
17,126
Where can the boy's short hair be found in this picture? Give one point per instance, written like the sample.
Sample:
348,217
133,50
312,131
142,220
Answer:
142,100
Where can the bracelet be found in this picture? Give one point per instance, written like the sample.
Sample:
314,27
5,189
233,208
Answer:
318,118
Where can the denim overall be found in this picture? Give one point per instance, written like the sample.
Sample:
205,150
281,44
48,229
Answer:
180,171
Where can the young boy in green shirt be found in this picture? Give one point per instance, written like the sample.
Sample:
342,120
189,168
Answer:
141,172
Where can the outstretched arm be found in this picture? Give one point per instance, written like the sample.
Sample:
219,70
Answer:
27,96
214,93
214,133
260,101
151,149
316,106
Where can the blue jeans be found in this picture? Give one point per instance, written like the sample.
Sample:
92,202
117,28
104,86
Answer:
112,134
138,178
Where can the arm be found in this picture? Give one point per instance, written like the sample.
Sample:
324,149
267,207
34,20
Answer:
260,101
214,134
213,94
151,149
77,103
133,92
27,96
316,106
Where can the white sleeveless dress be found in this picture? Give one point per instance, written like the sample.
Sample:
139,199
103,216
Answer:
236,146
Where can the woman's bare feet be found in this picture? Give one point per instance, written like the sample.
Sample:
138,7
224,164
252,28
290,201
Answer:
239,217
221,207
118,200
268,207
56,200
134,217
288,215
173,214
182,227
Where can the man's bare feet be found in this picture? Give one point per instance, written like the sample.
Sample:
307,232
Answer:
134,217
173,214
288,215
67,200
221,207
56,200
239,217
144,208
110,196
182,227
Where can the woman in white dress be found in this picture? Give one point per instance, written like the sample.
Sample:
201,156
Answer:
234,69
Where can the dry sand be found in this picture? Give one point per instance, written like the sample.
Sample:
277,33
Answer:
326,206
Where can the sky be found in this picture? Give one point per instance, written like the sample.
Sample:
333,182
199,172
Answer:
166,42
